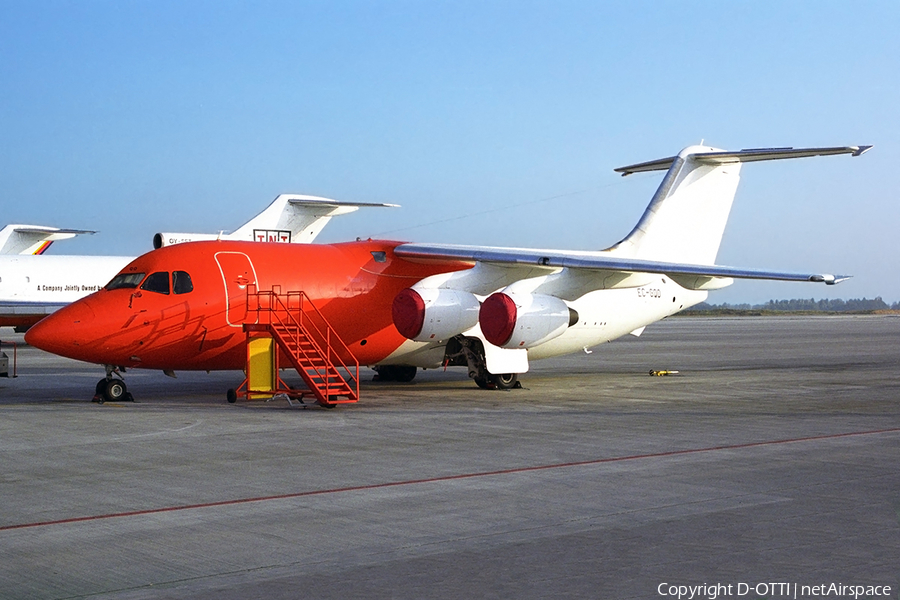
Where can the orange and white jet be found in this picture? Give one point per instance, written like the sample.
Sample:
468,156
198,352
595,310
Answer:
33,286
401,306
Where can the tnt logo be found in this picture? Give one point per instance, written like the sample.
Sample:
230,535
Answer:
272,235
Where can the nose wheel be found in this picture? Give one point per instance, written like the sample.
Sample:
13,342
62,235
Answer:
112,390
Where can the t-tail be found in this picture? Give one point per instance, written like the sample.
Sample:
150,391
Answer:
686,218
33,239
289,219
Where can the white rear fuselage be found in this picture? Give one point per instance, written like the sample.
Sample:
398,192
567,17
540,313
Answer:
32,286
605,315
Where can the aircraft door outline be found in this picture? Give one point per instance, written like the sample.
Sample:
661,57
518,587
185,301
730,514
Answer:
238,273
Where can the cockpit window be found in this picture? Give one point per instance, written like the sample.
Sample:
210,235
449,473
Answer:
125,280
181,282
157,282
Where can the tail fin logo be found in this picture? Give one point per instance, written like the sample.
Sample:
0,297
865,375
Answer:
280,236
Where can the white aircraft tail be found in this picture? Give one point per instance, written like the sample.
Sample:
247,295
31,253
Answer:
686,218
296,219
33,239
290,219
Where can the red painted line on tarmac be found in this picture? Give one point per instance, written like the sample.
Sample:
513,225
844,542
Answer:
375,486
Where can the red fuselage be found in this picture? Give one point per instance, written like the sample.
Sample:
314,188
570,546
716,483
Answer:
192,320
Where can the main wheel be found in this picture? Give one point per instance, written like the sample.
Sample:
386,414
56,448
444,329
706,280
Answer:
404,374
504,381
482,382
386,373
114,390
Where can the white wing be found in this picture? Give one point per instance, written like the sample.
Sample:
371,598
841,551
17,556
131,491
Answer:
608,271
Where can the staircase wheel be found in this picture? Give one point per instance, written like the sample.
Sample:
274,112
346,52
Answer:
326,404
231,396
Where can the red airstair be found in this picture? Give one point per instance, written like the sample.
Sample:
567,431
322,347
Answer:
289,325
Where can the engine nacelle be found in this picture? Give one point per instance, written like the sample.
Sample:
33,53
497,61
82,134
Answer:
524,320
170,239
426,315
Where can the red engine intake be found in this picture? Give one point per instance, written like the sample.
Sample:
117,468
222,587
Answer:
408,311
427,315
511,320
498,318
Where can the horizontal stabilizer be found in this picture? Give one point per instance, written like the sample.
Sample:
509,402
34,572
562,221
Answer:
749,155
37,229
314,201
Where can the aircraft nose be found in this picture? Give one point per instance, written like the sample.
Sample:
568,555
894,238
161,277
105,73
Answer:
61,331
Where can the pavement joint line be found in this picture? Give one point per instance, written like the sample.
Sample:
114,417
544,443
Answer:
375,486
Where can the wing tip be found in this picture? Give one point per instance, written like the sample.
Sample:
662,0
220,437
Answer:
828,279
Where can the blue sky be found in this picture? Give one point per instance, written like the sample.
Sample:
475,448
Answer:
489,122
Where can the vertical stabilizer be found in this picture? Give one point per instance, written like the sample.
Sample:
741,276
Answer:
289,219
687,215
296,218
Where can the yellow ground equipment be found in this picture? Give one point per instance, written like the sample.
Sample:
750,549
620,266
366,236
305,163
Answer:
662,373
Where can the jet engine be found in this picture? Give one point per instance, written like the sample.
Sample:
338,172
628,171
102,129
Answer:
426,315
169,239
524,320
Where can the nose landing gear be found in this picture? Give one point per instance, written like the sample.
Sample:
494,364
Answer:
112,388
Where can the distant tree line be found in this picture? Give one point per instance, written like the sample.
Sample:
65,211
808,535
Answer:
806,305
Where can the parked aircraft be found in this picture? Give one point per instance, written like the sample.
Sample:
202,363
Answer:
400,306
31,287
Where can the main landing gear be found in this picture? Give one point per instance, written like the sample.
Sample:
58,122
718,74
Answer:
504,381
112,388
469,351
401,373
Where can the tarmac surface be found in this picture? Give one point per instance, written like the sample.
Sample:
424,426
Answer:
772,458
